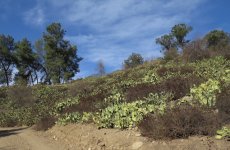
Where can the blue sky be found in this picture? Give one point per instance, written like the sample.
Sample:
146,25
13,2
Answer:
110,30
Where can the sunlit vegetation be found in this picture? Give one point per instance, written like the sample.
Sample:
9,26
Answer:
166,98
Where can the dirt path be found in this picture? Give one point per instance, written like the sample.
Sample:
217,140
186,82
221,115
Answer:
88,137
24,139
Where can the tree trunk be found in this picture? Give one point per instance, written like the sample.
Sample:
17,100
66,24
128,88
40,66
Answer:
6,74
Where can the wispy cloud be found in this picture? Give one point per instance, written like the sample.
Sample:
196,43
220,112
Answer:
110,30
35,16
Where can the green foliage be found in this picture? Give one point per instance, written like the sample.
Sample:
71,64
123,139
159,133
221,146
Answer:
26,62
151,77
166,41
115,98
86,117
206,92
217,38
61,60
7,59
214,68
70,118
173,41
75,117
60,106
223,133
226,77
180,31
133,60
50,93
127,115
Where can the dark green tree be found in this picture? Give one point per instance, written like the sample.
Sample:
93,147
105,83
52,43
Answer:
217,38
180,31
133,60
166,41
7,59
26,62
61,60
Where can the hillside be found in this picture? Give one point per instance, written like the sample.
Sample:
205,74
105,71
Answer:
164,100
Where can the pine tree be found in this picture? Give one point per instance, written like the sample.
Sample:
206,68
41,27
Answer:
26,62
7,59
61,60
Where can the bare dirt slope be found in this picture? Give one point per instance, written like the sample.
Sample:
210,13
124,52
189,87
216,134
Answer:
88,137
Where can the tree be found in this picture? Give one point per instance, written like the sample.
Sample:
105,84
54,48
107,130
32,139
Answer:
26,62
7,59
101,68
217,38
61,60
166,41
180,31
133,60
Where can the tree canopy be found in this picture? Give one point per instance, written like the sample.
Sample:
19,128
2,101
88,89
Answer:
52,59
133,60
61,58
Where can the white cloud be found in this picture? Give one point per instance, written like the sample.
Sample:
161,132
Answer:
34,16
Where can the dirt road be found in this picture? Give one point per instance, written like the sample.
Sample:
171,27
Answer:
88,137
24,139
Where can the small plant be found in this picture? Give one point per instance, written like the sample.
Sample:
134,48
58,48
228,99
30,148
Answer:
115,98
151,77
86,117
65,104
206,92
223,133
70,118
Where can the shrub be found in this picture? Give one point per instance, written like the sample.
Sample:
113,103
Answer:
21,95
214,68
61,106
223,104
8,120
133,61
74,117
180,122
3,93
171,54
195,50
178,86
182,70
50,94
80,87
87,104
223,133
151,77
45,123
127,115
206,92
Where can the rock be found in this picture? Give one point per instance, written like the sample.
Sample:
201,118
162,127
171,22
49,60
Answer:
138,134
137,145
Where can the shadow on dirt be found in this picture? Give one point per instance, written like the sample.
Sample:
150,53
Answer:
8,132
